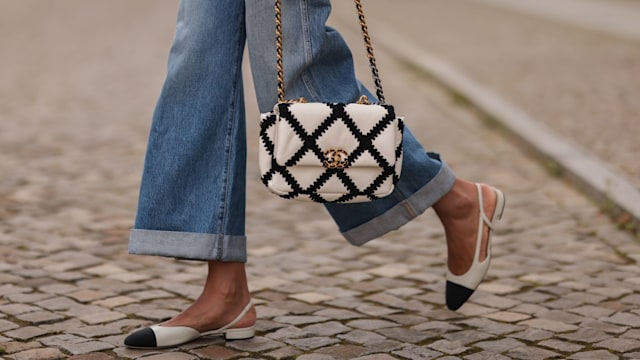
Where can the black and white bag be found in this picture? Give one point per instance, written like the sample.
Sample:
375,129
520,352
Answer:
330,152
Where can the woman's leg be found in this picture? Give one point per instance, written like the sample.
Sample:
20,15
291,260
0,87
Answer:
192,197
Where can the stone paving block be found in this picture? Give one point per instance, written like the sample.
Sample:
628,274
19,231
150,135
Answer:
486,355
563,316
217,352
297,307
311,297
586,298
544,279
375,357
39,317
156,314
115,301
345,352
405,335
69,276
467,337
58,303
471,309
376,311
26,333
289,332
404,292
496,302
91,356
490,326
592,311
407,319
316,357
10,347
174,355
626,319
7,325
371,324
336,314
561,346
95,331
414,352
85,296
550,325
39,354
390,270
611,292
300,320
562,304
16,309
507,316
109,285
355,276
499,346
619,345
286,352
362,337
532,297
448,347
594,355
438,327
532,352
586,335
604,326
27,297
632,334
256,344
150,294
327,329
129,277
104,270
310,343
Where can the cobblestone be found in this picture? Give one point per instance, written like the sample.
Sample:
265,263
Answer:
564,281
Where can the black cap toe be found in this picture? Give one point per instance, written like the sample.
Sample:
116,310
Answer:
457,295
144,338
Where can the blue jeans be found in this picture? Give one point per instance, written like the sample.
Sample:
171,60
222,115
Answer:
192,195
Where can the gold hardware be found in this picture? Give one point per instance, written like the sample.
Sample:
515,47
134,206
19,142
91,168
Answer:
335,158
364,100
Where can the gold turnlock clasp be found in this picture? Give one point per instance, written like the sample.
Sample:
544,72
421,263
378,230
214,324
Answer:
335,159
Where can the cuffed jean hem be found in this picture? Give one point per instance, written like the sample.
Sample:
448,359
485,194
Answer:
187,245
405,211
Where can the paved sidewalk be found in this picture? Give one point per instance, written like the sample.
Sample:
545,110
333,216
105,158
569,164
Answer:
78,83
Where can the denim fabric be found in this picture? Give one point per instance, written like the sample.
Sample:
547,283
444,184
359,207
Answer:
192,197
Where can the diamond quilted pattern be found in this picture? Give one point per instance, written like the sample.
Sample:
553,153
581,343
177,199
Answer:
362,145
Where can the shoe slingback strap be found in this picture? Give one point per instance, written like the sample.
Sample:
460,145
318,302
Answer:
483,215
483,219
237,319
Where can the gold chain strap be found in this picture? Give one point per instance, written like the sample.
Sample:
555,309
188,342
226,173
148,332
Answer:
367,41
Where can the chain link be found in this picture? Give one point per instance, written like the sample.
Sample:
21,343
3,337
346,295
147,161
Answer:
367,41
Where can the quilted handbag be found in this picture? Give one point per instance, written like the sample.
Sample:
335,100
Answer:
330,152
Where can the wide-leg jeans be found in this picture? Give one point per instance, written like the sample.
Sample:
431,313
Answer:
192,195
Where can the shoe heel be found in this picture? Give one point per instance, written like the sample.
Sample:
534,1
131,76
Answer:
239,334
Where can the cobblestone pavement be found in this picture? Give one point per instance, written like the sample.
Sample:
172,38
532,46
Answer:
582,84
78,79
